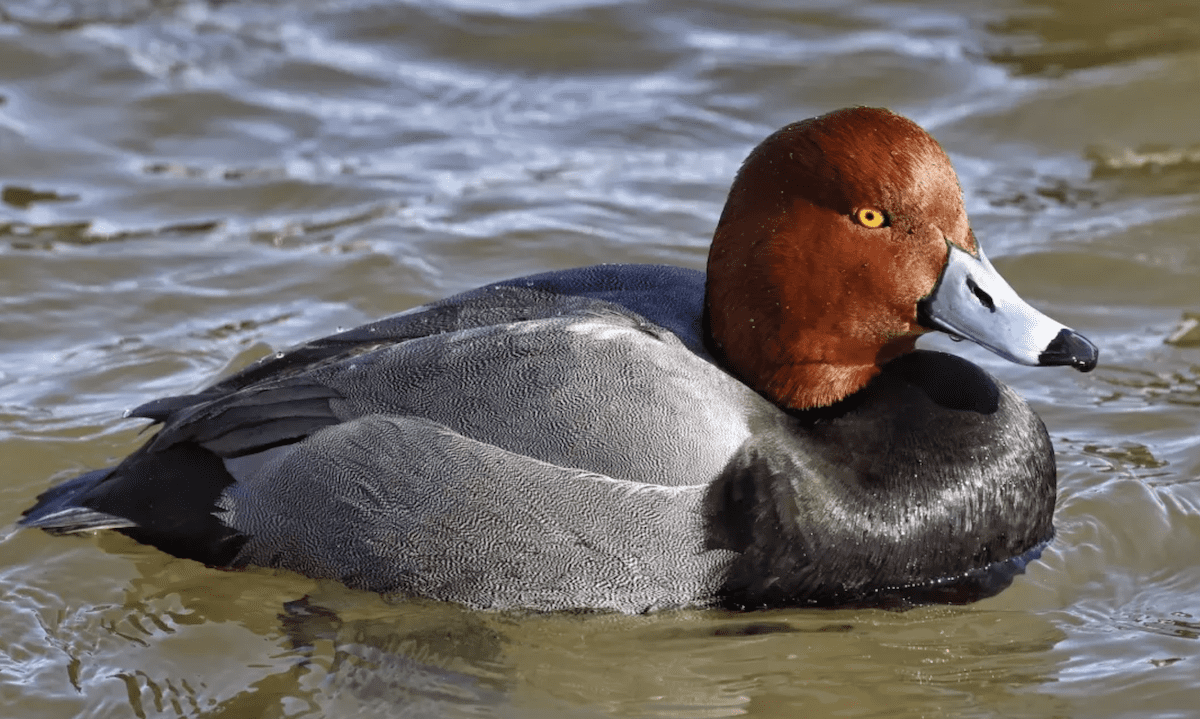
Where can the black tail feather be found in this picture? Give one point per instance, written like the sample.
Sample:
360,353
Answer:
58,510
166,498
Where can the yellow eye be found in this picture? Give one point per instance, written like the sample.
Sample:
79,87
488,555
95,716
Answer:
868,217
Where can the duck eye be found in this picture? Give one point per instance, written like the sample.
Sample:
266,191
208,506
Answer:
869,217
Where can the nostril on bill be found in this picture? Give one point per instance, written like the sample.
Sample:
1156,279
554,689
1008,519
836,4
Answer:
984,298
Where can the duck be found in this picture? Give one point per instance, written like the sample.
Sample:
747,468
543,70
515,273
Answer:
635,438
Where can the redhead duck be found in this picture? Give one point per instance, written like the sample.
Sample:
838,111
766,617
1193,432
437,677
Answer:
637,437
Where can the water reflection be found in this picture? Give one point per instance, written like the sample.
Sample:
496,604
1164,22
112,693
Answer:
189,640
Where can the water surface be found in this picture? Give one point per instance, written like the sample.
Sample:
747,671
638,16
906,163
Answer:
186,186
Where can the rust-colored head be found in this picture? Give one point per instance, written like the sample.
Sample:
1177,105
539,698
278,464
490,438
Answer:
834,229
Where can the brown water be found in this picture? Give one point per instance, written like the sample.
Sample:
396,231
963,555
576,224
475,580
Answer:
190,185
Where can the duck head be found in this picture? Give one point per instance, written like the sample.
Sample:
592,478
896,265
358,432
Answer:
845,238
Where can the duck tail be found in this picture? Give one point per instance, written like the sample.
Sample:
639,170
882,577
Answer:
59,510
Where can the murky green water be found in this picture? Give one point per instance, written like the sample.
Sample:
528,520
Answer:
189,185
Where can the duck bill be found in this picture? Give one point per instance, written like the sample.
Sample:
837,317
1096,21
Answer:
972,301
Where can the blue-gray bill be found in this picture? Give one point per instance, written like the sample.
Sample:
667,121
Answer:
973,301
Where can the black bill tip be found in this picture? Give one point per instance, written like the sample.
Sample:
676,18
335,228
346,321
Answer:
1070,348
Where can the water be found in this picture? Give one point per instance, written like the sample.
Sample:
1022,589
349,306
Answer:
187,186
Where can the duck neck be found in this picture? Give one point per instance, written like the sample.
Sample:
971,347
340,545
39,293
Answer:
807,382
812,369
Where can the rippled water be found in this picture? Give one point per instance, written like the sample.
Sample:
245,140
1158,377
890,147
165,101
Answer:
189,185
